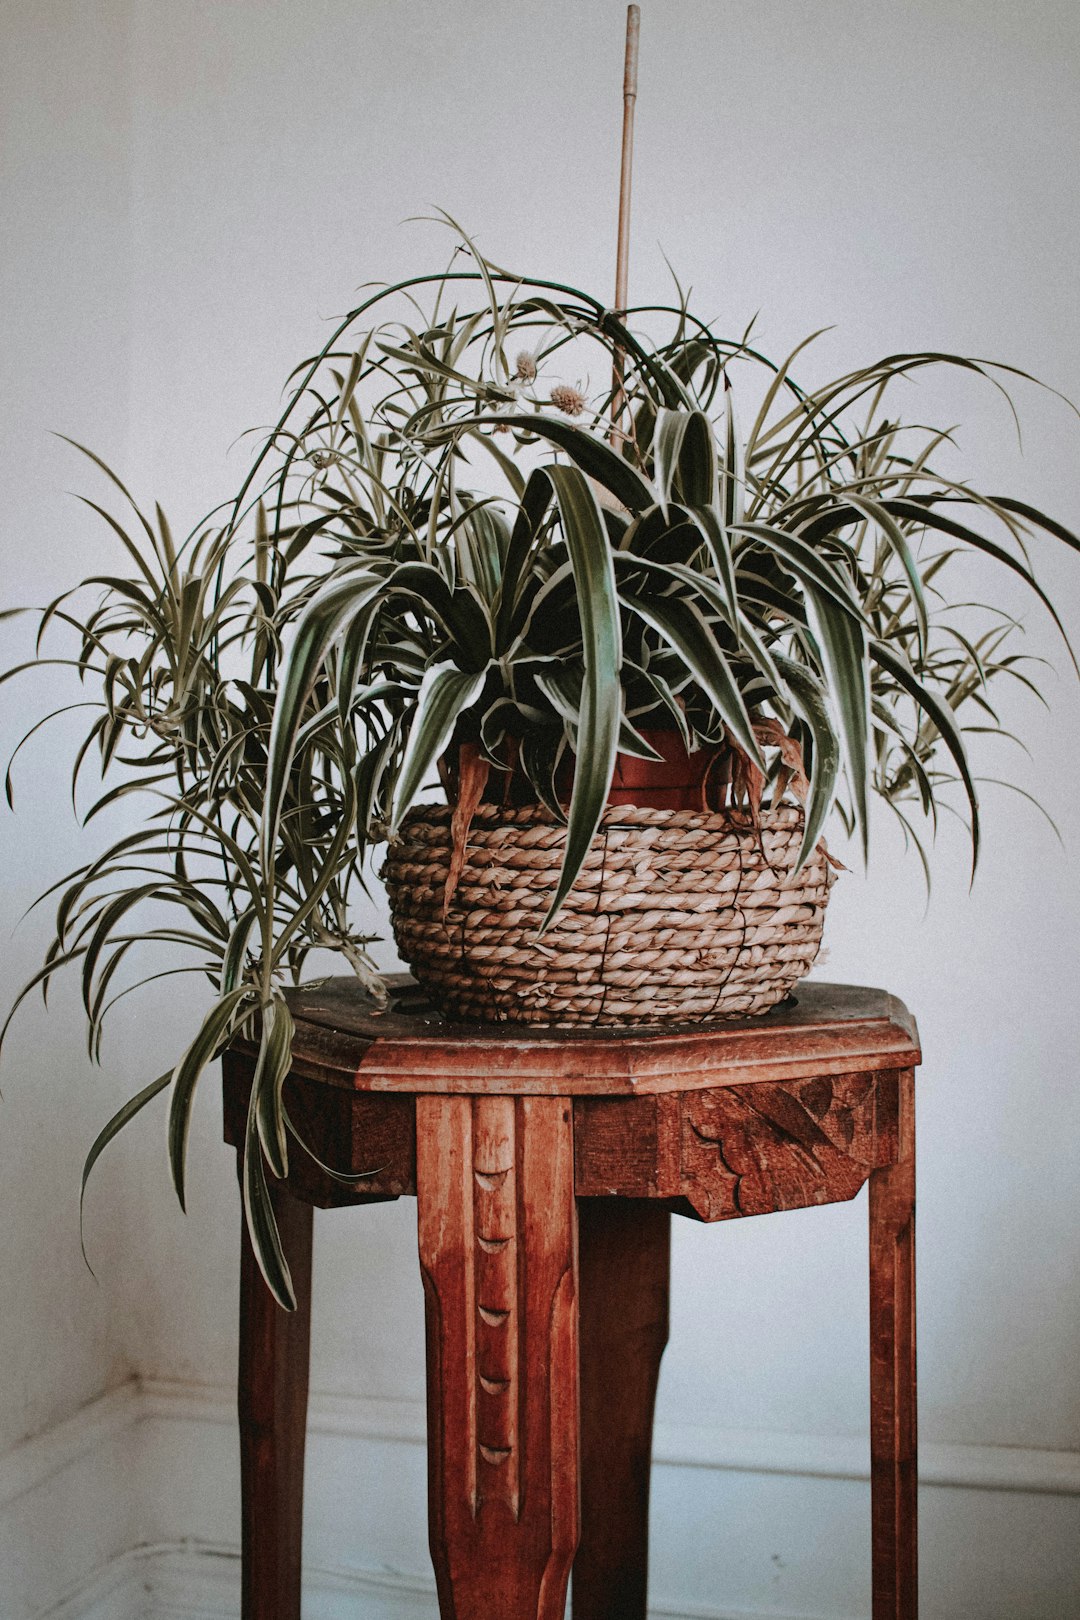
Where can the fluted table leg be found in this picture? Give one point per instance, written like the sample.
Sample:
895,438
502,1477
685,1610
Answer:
498,1254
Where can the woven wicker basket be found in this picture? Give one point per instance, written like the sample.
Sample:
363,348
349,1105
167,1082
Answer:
677,916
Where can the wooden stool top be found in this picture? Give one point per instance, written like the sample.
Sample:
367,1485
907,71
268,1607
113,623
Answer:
804,1100
344,1040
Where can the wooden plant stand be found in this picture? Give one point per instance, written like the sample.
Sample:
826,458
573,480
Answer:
546,1165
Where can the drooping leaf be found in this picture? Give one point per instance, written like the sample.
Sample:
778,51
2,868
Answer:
809,700
112,1129
601,640
214,1034
945,721
842,645
444,692
259,1213
271,1070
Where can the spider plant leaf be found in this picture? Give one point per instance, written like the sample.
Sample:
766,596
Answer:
562,683
444,693
718,602
781,376
343,599
214,1034
810,567
113,478
732,471
1040,519
842,645
9,785
482,539
121,791
943,718
684,458
539,760
271,1069
108,917
535,501
714,532
129,545
593,455
1013,787
38,663
667,700
929,515
122,1117
337,604
889,728
41,975
368,780
809,701
506,464
351,660
601,639
232,962
877,512
651,365
259,1213
350,381
684,627
351,1180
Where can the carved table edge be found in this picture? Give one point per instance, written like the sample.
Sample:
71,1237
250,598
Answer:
617,1062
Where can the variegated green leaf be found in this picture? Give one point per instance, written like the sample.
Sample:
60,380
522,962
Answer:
444,693
601,640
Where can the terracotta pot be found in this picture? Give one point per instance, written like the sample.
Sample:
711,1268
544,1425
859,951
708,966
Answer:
679,780
676,782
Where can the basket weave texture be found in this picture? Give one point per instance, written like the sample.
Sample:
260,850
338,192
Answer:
677,916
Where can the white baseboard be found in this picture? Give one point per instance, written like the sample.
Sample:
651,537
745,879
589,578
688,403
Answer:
189,1582
130,1511
744,1451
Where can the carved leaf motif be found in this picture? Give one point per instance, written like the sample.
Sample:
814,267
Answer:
749,1150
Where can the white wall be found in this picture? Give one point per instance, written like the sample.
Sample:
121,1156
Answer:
905,172
66,297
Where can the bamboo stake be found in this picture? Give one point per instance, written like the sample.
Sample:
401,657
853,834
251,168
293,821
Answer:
622,256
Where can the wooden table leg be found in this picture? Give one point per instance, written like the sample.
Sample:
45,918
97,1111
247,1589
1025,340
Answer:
273,1392
625,1264
498,1254
893,1475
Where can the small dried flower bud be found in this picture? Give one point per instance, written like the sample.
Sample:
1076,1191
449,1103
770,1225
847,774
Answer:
567,399
323,458
525,367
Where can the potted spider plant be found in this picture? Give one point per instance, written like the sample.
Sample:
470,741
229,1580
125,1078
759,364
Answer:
593,665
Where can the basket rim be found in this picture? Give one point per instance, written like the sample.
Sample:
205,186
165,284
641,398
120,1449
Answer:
614,815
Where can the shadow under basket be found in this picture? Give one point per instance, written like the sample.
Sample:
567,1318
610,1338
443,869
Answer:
677,916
